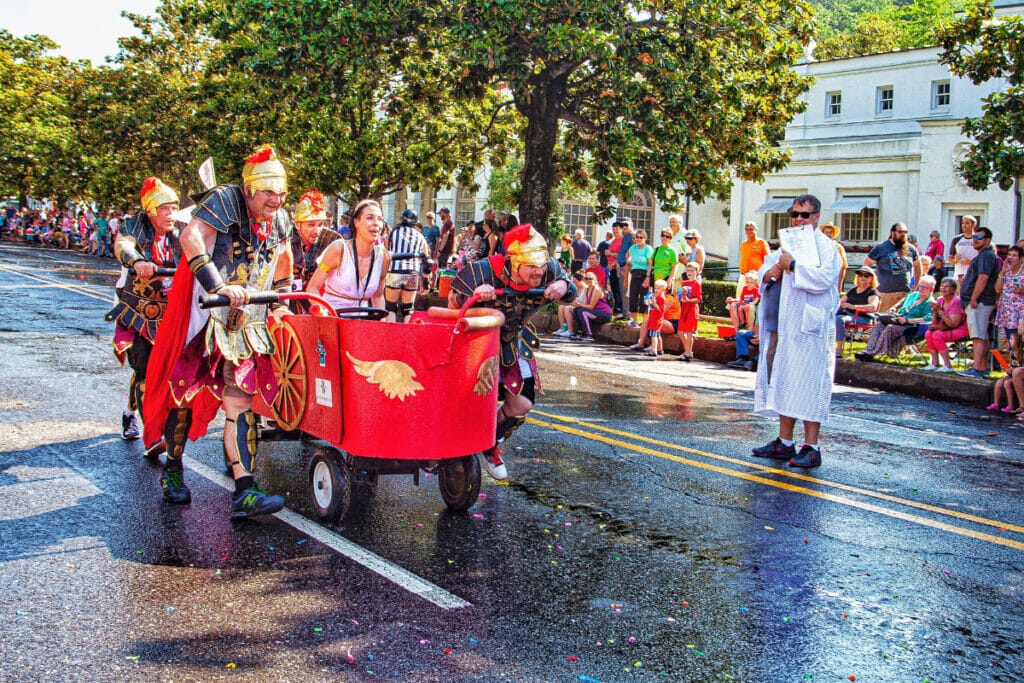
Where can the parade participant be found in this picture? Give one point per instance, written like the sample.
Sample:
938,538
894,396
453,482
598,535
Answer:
310,238
236,243
525,265
403,280
351,271
144,244
797,363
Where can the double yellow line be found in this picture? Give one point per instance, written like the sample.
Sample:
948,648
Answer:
615,437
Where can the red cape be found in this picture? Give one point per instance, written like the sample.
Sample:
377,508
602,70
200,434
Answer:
170,342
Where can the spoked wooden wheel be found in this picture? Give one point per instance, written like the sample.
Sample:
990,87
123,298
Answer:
290,369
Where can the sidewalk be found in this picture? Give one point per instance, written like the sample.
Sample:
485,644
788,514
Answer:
942,387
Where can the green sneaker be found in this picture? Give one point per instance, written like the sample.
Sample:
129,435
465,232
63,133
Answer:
173,485
253,501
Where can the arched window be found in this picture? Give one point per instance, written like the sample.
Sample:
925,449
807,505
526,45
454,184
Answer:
640,209
465,207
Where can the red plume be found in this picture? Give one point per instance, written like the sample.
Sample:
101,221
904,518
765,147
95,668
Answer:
147,185
316,200
520,233
264,153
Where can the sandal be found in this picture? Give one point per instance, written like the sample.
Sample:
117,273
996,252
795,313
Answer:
636,347
650,353
1008,410
993,407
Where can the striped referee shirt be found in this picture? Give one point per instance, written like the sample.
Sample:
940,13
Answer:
406,239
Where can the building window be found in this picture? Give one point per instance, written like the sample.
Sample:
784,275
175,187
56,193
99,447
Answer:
858,227
940,94
465,207
884,101
576,216
641,210
833,104
776,222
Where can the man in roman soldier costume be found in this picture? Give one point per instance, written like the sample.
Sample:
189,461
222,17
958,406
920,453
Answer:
526,265
236,243
145,243
310,238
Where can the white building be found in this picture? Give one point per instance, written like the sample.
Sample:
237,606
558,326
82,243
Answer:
878,144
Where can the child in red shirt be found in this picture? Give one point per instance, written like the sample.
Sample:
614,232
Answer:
690,295
655,314
742,311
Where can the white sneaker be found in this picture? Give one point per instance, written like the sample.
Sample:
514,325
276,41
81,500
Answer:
945,369
491,459
930,368
565,334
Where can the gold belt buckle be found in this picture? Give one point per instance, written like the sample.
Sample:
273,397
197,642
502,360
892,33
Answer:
236,319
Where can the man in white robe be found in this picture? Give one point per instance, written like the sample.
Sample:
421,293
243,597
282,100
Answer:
797,361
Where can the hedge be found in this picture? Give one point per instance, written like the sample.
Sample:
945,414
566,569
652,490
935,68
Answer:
715,293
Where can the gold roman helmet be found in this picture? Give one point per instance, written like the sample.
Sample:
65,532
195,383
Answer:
524,245
263,171
154,193
311,207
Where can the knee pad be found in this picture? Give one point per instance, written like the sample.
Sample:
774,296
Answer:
405,311
241,445
176,432
506,426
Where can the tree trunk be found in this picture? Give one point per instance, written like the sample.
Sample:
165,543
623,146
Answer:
538,179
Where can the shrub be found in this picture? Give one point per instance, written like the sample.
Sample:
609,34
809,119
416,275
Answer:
714,270
715,294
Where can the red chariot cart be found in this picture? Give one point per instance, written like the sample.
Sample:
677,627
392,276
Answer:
388,398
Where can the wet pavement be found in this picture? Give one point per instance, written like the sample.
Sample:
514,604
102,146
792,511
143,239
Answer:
636,540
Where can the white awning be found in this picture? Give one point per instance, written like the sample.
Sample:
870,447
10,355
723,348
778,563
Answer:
854,204
776,205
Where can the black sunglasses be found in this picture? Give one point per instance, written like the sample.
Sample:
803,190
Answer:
802,214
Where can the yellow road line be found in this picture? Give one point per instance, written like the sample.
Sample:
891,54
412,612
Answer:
77,289
843,500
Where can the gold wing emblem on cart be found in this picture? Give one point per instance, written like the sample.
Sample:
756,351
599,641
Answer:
485,376
396,379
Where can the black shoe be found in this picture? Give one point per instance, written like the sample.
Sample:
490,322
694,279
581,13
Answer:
776,450
807,457
738,364
175,491
253,501
864,355
130,427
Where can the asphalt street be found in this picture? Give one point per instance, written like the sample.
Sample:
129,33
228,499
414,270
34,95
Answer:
636,539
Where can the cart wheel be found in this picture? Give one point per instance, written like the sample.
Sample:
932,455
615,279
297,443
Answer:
364,483
459,481
290,369
329,485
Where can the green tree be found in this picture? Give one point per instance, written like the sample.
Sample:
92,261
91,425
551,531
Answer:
363,107
37,135
982,48
644,96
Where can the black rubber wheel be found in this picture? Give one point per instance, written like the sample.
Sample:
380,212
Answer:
459,481
329,484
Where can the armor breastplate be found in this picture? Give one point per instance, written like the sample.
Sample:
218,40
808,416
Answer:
243,259
142,302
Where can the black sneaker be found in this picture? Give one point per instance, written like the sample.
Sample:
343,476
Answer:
130,427
175,491
253,501
738,364
807,457
864,356
776,450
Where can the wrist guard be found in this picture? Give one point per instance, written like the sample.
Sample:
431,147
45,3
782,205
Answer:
127,252
282,286
206,273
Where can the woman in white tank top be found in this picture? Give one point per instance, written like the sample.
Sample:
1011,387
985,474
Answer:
351,272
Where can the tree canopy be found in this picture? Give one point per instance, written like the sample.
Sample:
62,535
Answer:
982,48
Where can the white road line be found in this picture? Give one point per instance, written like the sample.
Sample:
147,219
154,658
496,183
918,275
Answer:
90,291
375,563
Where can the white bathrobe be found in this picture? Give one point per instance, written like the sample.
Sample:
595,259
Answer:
804,367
